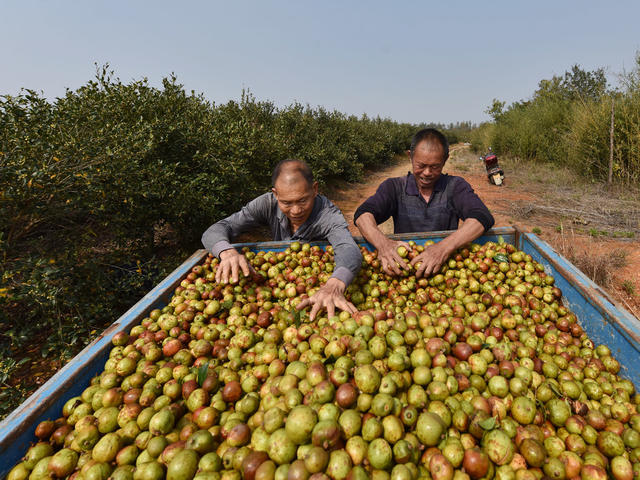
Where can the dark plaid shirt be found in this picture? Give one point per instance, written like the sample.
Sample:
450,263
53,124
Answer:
452,200
325,223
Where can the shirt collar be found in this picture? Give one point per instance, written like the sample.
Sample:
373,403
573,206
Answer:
412,186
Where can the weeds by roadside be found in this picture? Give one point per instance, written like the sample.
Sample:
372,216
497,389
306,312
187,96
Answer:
599,267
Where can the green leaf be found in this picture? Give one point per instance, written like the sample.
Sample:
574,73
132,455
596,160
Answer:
555,389
227,304
488,423
501,258
202,372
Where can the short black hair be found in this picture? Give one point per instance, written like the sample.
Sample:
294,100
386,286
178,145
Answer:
302,168
429,135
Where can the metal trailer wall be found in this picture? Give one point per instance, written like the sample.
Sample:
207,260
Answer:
602,319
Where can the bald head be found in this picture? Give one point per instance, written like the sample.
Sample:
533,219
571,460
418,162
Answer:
291,171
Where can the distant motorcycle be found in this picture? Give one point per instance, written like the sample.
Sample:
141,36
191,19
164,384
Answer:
495,174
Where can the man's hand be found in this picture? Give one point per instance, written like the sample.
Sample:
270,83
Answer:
392,262
431,259
231,262
329,296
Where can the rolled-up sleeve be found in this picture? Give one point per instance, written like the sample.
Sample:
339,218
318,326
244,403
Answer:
469,205
381,204
218,236
348,258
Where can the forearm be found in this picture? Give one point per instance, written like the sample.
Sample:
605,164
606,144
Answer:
470,230
368,227
347,258
217,238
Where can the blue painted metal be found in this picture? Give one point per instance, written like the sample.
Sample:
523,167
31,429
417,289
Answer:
17,430
603,320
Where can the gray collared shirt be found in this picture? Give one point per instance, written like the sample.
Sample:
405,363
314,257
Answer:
325,223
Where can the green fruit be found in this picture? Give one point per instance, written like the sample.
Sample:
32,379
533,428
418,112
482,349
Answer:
326,434
19,472
149,471
36,453
367,378
316,459
533,452
162,422
282,449
273,419
339,465
380,454
156,445
498,446
107,448
40,469
559,411
393,430
372,429
357,447
358,473
554,469
183,466
201,441
127,455
98,471
123,472
300,423
610,444
429,428
63,463
351,422
86,438
210,462
523,410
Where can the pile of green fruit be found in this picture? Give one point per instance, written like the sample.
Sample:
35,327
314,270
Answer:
477,372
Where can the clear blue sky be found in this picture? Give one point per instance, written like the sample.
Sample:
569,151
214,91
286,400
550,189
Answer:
413,61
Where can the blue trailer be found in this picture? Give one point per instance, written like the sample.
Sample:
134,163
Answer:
603,320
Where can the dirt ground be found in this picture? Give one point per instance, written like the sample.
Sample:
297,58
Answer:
577,221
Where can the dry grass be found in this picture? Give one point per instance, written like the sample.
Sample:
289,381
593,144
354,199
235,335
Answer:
599,267
565,198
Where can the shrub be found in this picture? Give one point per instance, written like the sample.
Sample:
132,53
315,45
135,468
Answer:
105,190
567,122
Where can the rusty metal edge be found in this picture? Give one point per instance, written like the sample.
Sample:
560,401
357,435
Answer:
25,416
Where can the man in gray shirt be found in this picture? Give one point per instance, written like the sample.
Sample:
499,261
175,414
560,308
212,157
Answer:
294,211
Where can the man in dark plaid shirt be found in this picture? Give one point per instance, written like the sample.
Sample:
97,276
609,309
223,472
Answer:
424,200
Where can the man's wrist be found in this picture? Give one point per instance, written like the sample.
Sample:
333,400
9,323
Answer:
220,247
344,275
230,252
335,284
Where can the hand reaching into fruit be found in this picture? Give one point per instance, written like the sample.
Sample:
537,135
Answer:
231,263
329,296
392,256
431,259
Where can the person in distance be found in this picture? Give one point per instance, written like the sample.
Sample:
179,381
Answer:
424,200
294,211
